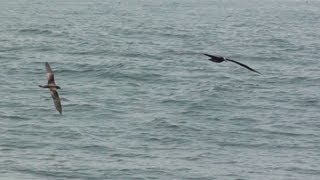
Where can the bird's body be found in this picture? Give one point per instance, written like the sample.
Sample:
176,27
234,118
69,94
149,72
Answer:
53,88
219,59
216,59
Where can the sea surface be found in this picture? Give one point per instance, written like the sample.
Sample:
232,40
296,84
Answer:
139,99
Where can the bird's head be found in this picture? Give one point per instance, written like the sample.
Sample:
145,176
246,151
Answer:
58,87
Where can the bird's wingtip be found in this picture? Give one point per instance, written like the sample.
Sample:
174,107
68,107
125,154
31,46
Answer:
60,111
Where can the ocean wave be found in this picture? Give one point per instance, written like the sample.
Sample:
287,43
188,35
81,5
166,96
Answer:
35,31
14,117
162,123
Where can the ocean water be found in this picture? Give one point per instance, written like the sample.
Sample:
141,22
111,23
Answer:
139,99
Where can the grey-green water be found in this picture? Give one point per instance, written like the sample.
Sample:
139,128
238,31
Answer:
141,102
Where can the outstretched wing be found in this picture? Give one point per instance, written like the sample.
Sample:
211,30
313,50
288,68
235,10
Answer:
50,75
243,65
56,100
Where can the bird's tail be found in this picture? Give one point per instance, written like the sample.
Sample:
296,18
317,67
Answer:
208,55
46,86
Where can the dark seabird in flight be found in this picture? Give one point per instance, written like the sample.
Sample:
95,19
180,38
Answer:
219,59
53,88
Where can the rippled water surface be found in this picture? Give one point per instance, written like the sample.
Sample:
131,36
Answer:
139,99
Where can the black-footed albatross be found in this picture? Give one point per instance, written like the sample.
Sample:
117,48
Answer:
53,88
219,59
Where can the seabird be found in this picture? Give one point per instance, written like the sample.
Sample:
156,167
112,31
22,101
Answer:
53,88
219,59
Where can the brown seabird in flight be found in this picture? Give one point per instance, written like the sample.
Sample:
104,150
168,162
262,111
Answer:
219,59
53,88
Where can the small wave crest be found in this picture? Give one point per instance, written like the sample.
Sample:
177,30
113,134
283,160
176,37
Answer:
35,31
